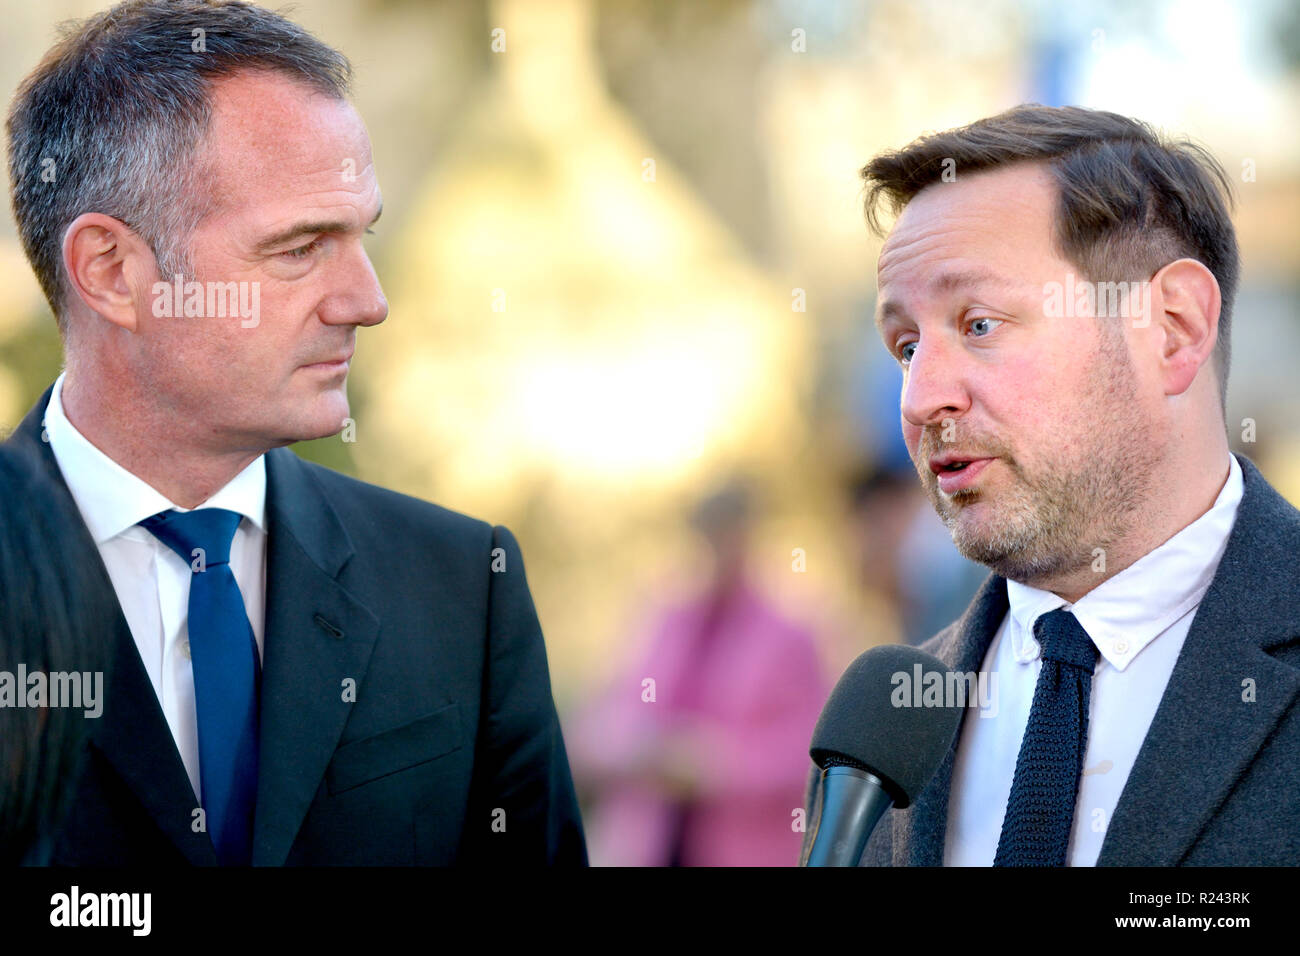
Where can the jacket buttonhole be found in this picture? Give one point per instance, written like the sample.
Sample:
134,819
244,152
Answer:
329,627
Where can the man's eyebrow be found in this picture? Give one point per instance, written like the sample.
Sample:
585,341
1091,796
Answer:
947,281
887,310
312,227
963,278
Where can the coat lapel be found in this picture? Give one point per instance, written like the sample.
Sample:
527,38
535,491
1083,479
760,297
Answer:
1205,734
317,636
918,836
132,733
134,737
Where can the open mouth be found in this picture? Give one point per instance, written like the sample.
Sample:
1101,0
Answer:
960,473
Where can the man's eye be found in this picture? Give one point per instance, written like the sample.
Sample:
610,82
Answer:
981,326
302,252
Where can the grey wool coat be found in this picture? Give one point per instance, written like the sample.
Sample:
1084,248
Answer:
1217,779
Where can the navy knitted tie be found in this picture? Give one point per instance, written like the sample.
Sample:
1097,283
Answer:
227,675
1040,811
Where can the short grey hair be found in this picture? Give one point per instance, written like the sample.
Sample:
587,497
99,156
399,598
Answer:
113,120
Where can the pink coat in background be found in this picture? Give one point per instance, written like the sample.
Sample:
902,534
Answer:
743,685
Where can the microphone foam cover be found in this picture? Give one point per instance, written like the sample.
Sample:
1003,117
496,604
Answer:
872,720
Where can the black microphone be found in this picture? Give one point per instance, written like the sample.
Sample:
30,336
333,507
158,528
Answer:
879,740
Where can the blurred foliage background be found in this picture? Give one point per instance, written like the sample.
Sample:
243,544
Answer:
626,262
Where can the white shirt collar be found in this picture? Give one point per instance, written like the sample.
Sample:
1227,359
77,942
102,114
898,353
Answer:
112,500
1127,612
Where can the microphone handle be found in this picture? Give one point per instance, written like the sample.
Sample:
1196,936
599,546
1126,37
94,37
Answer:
853,801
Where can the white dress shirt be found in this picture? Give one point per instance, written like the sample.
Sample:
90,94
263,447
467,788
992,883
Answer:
151,580
1138,620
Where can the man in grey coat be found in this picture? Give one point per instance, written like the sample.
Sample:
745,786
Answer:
1058,290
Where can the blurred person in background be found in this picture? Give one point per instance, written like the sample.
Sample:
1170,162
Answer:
881,502
905,554
695,755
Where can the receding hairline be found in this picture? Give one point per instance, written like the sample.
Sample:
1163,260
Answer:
951,279
138,158
222,95
1041,168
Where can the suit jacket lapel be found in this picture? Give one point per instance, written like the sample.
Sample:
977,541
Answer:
317,635
132,732
133,735
1205,734
918,837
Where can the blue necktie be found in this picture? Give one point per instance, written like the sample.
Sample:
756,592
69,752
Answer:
1040,810
227,675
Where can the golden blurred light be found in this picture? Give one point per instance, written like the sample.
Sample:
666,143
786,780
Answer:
564,307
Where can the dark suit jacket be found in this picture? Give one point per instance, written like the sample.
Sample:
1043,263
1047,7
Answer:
1217,779
451,751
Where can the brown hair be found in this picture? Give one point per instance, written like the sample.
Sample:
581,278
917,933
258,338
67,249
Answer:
1131,201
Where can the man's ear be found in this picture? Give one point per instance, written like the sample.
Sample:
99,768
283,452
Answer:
1189,318
109,266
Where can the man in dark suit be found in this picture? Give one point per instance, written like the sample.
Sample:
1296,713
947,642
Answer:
1058,289
307,669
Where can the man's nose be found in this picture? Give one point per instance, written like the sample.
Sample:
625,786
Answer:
359,299
934,387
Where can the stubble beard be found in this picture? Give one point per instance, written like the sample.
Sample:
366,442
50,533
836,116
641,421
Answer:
1049,523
